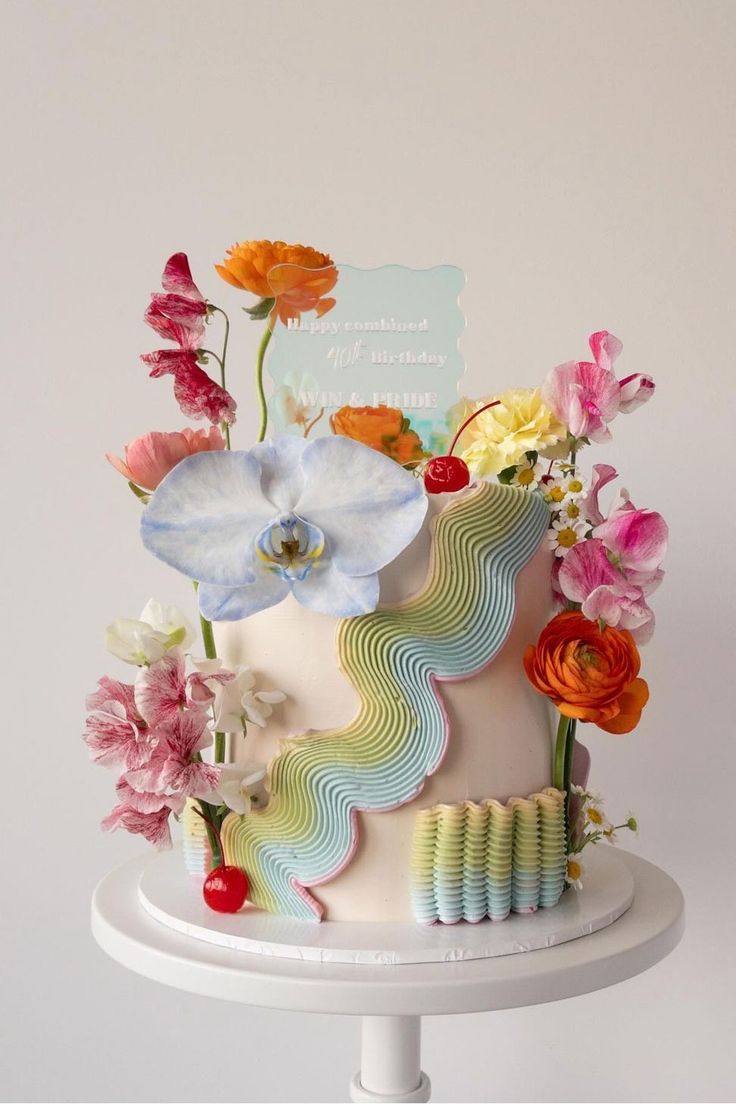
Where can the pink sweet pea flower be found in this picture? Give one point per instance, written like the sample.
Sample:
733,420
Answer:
603,592
152,826
182,301
172,768
116,733
603,474
149,458
178,316
586,395
636,538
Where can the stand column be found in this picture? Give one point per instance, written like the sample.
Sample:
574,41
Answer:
390,1062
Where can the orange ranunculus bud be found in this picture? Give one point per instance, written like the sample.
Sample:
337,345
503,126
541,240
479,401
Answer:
383,428
589,673
254,266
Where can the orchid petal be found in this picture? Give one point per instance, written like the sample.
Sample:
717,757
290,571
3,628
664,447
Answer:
204,516
368,507
282,480
234,603
326,590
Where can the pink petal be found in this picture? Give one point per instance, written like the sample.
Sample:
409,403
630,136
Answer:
151,457
177,277
605,349
161,689
602,475
583,396
152,826
167,362
638,538
635,391
187,336
585,569
189,312
200,397
147,802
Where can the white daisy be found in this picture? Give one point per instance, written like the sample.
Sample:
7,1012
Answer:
574,872
565,534
527,475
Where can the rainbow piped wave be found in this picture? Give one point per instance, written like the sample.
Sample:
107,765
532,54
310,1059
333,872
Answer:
450,630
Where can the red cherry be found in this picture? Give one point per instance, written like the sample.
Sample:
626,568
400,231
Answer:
446,473
450,473
225,889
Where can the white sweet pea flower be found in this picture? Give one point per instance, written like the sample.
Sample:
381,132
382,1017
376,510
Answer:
316,519
237,702
146,640
238,783
169,620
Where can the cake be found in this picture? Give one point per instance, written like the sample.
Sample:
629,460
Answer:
399,608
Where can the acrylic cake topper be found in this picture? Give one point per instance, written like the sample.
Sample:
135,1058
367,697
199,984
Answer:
390,339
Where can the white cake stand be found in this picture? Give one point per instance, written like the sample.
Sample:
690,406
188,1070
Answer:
339,968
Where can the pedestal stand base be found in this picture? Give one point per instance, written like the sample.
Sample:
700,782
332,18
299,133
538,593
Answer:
389,1062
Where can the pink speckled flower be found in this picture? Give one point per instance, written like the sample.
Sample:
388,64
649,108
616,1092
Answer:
182,300
161,688
178,316
149,458
116,733
586,395
172,768
152,826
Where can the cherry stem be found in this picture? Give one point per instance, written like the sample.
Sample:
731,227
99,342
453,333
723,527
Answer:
214,828
467,422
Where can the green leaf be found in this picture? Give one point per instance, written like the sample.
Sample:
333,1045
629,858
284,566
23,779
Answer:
142,495
507,475
261,310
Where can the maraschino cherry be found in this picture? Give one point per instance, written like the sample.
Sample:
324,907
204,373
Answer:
451,473
225,888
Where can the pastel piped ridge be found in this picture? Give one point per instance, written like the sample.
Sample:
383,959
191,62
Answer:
393,657
473,860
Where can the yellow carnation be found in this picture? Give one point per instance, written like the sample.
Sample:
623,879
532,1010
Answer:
500,437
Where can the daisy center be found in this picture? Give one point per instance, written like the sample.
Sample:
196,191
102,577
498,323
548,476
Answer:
567,537
525,477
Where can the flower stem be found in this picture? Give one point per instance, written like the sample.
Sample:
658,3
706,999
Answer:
567,775
558,773
210,650
213,834
259,383
221,361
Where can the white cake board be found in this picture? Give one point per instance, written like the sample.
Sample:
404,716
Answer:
168,894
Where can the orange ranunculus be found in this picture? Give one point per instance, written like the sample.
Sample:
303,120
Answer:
589,673
297,277
383,428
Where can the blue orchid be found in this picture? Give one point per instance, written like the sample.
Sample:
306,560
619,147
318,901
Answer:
316,519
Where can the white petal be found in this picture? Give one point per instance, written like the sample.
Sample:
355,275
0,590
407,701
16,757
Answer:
282,480
273,697
168,620
204,516
326,590
368,507
235,603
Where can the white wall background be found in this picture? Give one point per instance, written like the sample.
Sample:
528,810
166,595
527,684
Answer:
577,160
